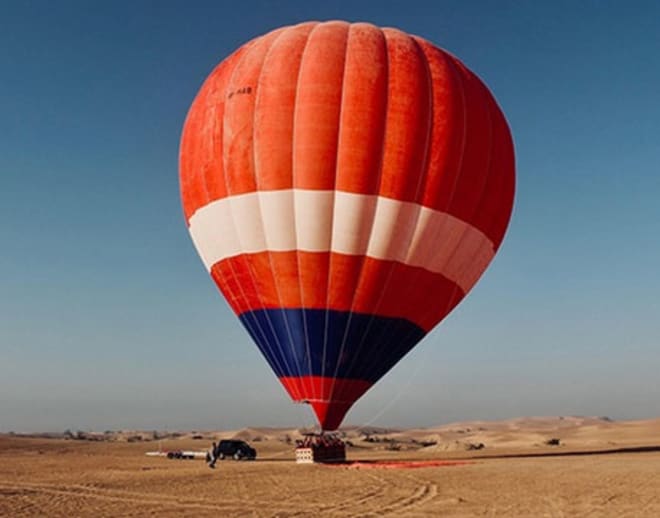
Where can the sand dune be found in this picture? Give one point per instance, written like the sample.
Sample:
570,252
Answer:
112,477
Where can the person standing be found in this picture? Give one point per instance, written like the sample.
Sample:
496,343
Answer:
213,456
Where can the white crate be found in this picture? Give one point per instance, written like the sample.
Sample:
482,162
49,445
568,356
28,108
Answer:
304,456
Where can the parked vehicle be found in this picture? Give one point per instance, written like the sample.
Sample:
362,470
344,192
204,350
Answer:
238,450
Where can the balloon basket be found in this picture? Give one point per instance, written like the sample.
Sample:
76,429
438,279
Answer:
324,449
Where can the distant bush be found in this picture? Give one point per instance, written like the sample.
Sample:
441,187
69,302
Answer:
393,446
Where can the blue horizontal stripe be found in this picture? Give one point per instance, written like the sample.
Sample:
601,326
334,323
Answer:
341,344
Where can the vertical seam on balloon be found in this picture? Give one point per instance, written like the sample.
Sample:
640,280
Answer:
494,112
295,223
449,60
460,90
256,178
482,194
373,311
265,311
246,259
332,221
268,252
349,319
423,175
356,352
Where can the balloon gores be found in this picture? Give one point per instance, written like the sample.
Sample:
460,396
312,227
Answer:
345,186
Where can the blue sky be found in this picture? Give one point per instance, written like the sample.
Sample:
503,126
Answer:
108,318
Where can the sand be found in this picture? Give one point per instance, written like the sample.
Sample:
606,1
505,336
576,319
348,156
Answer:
57,477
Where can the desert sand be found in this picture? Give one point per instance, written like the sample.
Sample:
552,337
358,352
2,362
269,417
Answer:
508,468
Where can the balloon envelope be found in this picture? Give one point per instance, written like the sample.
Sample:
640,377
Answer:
345,186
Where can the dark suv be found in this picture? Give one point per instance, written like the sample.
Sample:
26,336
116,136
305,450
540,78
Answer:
237,449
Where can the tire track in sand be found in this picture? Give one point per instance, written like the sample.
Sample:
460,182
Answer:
423,494
59,492
348,504
377,492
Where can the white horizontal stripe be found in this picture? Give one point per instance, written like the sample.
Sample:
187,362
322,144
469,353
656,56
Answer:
342,222
314,214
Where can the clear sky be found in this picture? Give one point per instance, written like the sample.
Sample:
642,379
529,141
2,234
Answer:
108,318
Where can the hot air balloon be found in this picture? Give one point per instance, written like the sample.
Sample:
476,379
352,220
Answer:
345,186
